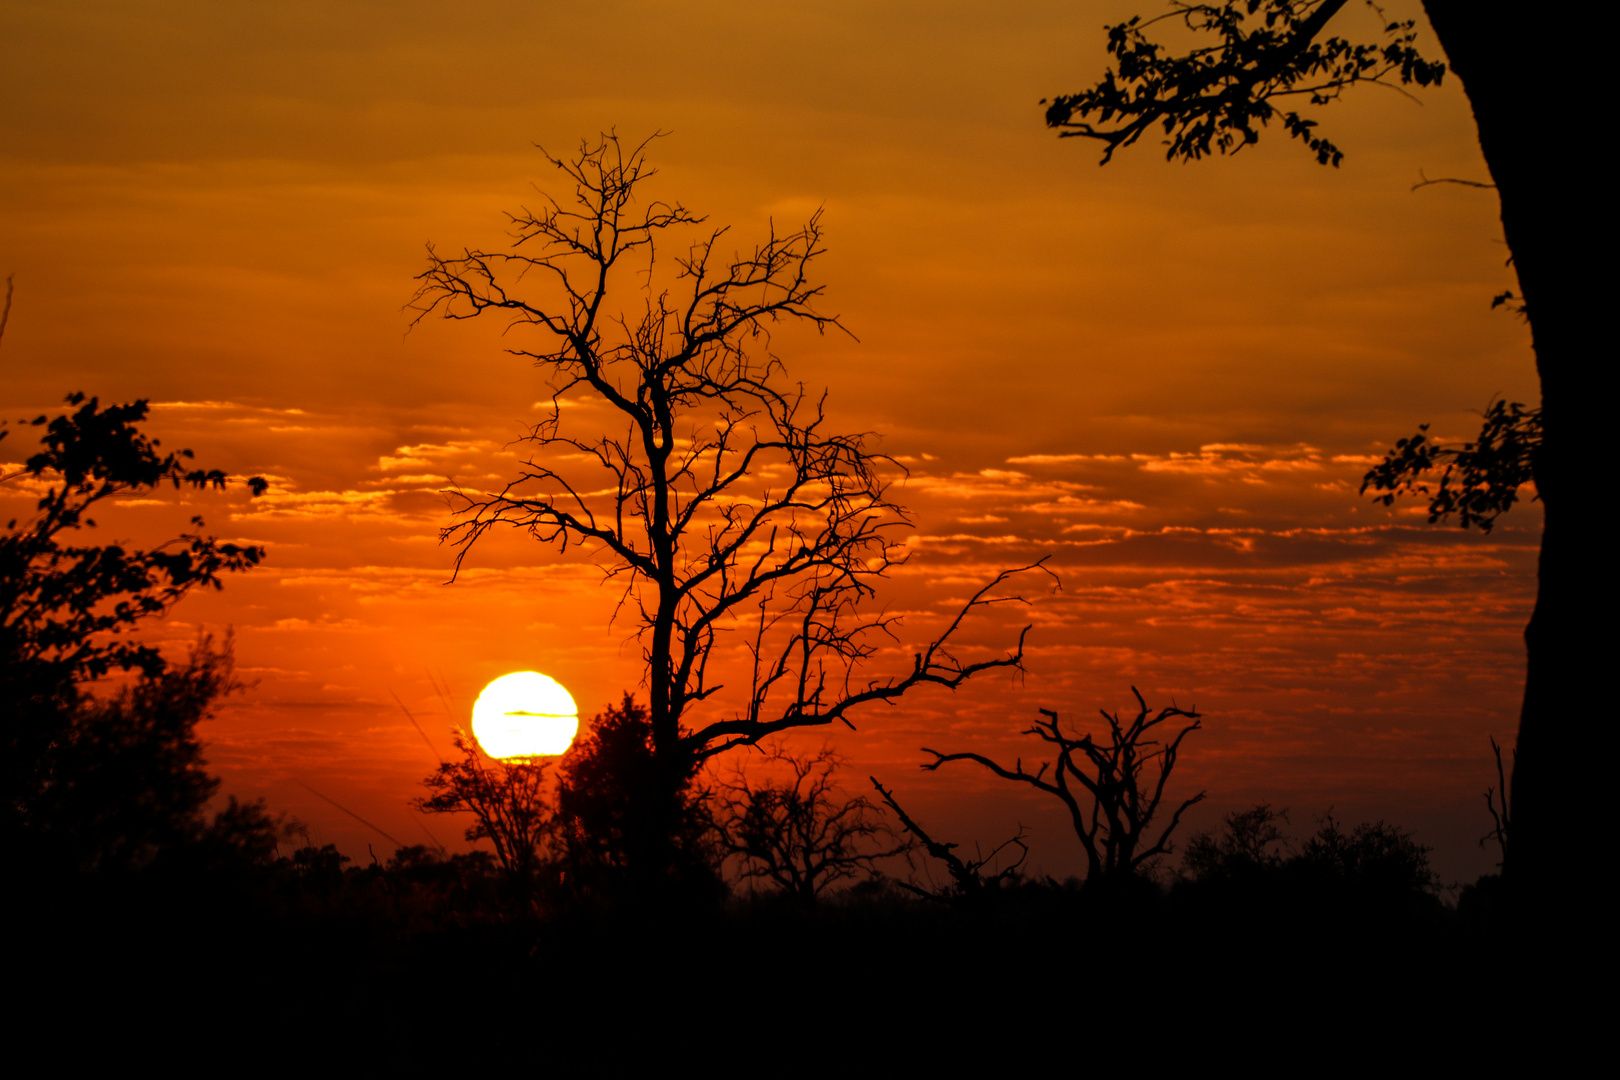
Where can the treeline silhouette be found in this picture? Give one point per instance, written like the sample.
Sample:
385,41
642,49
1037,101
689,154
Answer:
1342,917
601,876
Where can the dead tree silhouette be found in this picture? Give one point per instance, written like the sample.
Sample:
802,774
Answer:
1121,783
714,497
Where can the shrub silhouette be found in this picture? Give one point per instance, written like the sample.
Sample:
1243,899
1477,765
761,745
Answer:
1373,859
1251,845
625,830
1252,870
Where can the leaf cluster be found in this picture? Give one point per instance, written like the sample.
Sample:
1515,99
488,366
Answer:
626,816
1479,481
1216,97
63,603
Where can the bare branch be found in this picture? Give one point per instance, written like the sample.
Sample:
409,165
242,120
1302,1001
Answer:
1123,776
968,882
5,313
1496,803
1424,181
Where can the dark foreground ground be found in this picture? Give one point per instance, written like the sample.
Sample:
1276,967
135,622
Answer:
393,970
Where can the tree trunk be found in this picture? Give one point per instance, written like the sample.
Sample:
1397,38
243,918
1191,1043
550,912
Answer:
1530,95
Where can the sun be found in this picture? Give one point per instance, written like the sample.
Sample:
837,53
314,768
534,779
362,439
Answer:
524,714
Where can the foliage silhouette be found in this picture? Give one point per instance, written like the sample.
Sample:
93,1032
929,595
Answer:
1480,482
1251,844
802,836
1113,788
94,784
122,782
1372,858
1210,99
1519,79
596,826
64,607
715,496
1374,863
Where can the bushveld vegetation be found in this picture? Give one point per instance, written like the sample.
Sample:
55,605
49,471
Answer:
591,875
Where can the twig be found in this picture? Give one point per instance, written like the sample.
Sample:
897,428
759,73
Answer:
1425,182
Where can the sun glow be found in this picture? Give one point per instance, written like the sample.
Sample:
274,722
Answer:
524,714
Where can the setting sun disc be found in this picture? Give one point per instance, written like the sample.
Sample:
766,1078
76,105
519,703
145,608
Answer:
525,714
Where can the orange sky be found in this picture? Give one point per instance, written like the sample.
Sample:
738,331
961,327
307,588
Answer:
1167,378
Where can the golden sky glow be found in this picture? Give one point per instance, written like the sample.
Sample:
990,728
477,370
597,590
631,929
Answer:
1169,379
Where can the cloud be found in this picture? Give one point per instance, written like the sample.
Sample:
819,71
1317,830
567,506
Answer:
1047,459
1236,460
229,406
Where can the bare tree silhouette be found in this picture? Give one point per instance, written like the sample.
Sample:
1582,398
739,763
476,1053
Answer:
510,804
710,488
802,835
1121,783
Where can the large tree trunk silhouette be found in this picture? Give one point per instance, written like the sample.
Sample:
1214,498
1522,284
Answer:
1525,106
1535,100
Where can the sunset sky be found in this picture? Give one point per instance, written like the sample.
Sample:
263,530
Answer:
1168,379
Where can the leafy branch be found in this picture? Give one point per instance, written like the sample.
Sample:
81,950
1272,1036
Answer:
1215,98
